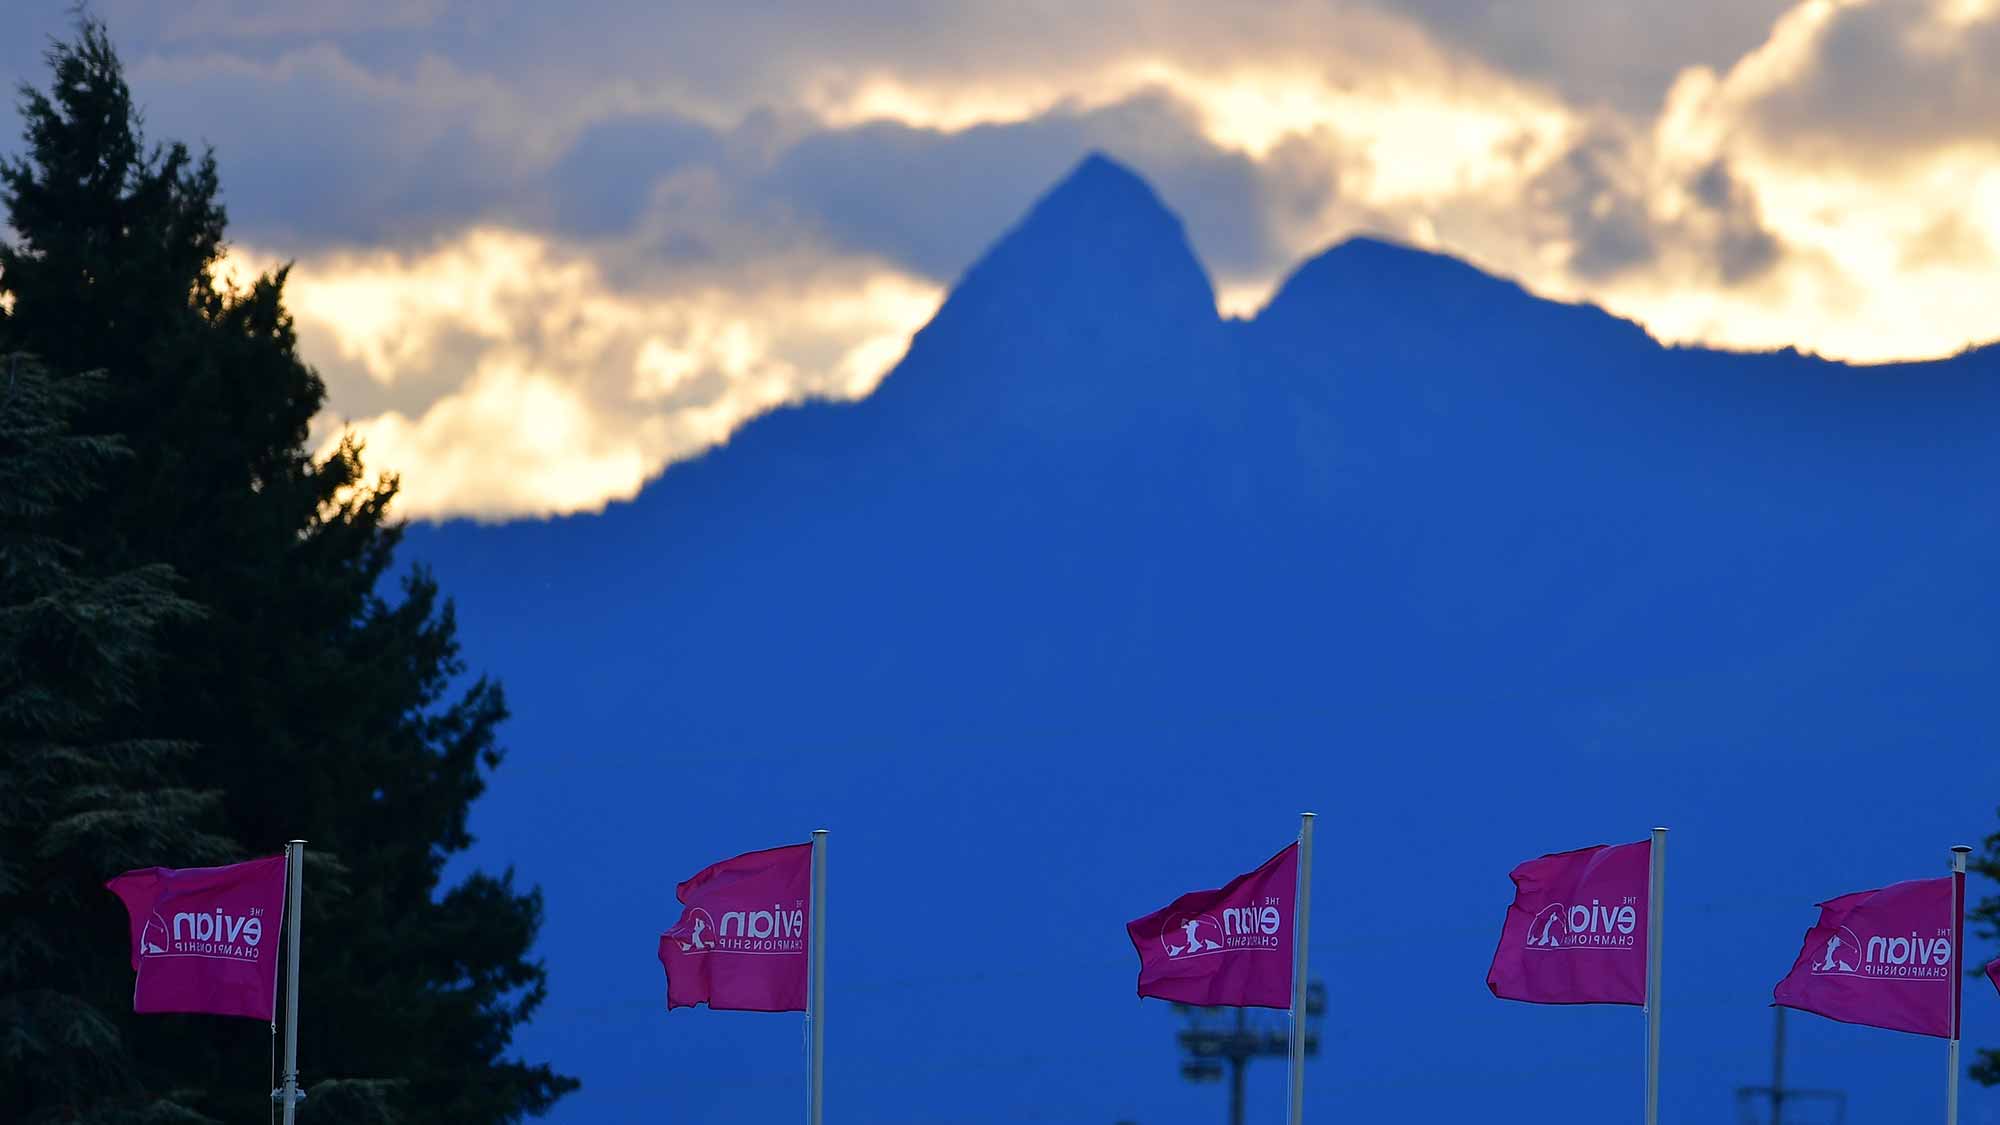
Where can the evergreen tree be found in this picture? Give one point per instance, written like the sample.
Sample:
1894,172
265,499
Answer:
1983,918
74,807
320,702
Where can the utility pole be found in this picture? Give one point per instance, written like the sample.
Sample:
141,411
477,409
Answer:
1777,1093
1208,1046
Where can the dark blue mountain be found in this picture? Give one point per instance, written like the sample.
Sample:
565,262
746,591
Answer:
1098,590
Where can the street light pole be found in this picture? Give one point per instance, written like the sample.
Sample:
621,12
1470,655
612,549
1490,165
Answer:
1209,1043
1237,1059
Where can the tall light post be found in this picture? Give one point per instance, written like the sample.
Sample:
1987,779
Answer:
1213,1037
1778,1094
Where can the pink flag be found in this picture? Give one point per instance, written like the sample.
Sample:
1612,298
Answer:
741,943
1993,972
1886,958
1230,946
205,939
1576,933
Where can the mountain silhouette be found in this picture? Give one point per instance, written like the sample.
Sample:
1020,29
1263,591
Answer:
1098,268
1098,588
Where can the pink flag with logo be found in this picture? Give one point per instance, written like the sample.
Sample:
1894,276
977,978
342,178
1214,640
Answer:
205,939
1886,958
1231,946
1576,933
741,942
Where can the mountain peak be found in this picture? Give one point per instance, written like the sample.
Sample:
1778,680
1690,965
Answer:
1099,238
1373,286
1365,261
1074,314
1098,179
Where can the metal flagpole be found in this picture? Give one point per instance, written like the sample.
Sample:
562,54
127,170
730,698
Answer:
1656,924
1958,855
295,853
1303,912
816,985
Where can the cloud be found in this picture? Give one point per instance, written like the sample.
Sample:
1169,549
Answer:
260,19
315,148
1613,207
1598,199
1622,57
684,191
603,181
1264,165
1850,193
502,375
934,199
1725,215
1897,80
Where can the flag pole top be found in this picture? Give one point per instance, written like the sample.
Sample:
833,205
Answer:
1962,849
293,843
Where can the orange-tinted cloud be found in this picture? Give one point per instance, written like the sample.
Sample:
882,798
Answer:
756,204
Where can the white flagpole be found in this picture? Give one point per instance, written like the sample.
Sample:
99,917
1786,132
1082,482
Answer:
295,869
1303,911
816,985
1656,925
1958,855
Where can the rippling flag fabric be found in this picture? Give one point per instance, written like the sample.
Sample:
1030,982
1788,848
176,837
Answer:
205,939
1576,932
742,940
1885,958
1230,946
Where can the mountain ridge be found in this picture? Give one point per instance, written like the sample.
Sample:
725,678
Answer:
1316,289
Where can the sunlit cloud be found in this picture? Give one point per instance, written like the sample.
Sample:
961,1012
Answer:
1887,249
501,375
1371,146
1746,214
1422,140
647,251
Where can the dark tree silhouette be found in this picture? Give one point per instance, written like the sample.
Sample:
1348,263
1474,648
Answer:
74,802
1983,918
310,693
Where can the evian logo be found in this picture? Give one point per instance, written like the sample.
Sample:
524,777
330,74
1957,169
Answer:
1190,935
1230,930
696,933
777,930
153,938
1840,954
1894,958
1597,925
215,933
